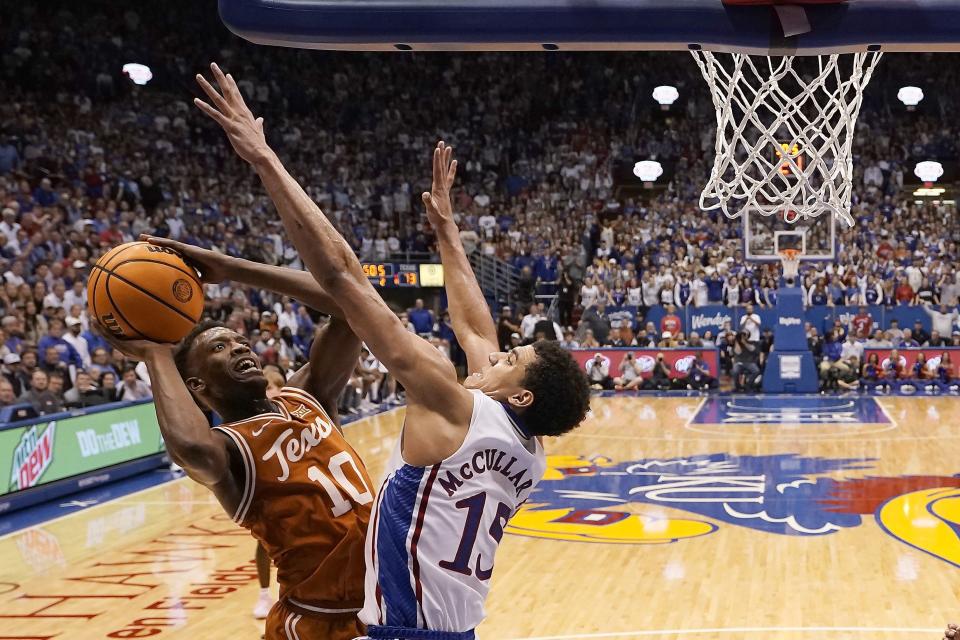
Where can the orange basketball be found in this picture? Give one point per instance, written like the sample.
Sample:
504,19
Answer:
142,291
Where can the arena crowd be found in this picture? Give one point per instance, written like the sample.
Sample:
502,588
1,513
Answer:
546,142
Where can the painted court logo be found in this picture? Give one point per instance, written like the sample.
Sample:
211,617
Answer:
783,494
31,457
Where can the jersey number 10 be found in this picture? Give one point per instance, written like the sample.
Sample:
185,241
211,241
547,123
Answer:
336,476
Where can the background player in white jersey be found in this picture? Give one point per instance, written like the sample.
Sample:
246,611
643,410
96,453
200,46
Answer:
468,457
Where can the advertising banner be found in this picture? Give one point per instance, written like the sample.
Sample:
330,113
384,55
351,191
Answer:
46,451
679,360
712,317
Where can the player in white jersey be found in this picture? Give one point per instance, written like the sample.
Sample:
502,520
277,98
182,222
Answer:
449,481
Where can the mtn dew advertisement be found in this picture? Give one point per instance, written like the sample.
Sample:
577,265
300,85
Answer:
57,449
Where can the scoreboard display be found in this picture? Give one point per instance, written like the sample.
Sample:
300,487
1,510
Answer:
393,274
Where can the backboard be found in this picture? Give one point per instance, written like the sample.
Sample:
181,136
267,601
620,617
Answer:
639,25
766,233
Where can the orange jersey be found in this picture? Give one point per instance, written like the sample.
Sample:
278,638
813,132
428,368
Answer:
307,498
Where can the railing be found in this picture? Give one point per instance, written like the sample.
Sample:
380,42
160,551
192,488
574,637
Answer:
497,278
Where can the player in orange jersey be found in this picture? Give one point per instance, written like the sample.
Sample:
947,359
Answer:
280,467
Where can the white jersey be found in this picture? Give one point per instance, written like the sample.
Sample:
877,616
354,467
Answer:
435,530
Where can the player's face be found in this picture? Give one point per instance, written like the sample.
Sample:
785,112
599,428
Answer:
502,378
226,364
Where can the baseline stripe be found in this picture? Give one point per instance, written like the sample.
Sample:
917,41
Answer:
735,630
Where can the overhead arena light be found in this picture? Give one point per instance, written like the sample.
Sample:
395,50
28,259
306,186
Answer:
648,171
929,171
910,96
665,96
139,73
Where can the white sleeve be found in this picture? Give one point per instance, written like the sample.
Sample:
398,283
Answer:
142,373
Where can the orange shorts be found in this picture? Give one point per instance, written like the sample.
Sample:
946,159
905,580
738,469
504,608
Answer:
283,623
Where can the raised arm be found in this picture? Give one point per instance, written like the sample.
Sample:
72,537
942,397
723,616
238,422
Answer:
335,348
472,320
206,455
428,377
215,267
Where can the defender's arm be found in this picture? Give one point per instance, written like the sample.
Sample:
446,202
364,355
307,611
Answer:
472,320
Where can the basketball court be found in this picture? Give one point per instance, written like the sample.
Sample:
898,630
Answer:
662,516
736,516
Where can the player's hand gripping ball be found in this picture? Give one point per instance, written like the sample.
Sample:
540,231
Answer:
141,291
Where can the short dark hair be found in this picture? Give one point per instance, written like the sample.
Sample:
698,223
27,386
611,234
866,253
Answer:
561,392
182,353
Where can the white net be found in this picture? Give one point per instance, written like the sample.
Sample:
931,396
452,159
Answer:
784,131
790,260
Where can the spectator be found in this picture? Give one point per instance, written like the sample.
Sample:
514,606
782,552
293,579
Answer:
815,343
598,372
849,379
660,375
908,341
919,372
832,361
671,321
108,386
942,320
746,367
893,368
596,318
77,341
920,334
862,323
589,340
422,319
84,393
945,372
100,363
852,348
699,377
7,396
133,388
870,375
11,373
630,377
529,322
57,384
506,325
878,341
894,333
728,353
40,397
54,339
569,341
750,323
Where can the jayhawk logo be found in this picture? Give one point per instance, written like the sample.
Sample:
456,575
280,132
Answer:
656,501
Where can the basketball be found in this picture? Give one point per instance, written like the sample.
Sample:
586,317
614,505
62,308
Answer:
142,291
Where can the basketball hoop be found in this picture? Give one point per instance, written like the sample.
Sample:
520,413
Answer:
784,132
790,259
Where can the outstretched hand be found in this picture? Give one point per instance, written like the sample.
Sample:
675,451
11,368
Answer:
231,112
952,632
213,266
437,200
